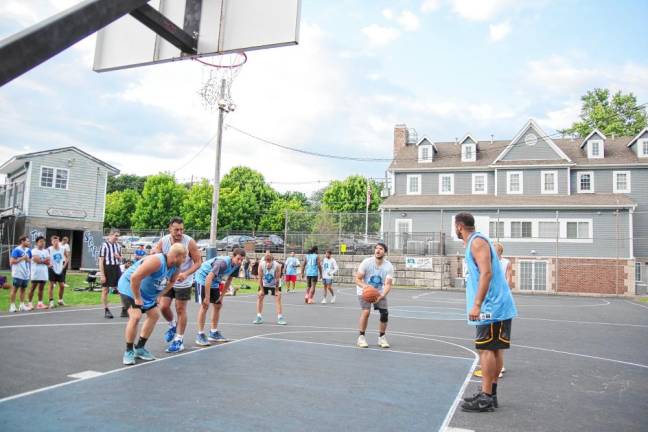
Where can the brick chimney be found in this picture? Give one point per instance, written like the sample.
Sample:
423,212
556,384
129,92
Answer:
400,137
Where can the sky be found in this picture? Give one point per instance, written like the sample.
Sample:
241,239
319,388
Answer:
443,67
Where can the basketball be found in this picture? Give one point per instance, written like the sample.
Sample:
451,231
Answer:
370,295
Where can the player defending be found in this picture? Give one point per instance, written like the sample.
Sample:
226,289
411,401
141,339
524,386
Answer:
329,268
490,308
181,291
376,272
139,288
211,274
269,274
292,263
312,268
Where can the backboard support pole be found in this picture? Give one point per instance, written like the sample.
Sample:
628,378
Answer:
27,49
163,26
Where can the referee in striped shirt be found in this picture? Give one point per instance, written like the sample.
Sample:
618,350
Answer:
109,260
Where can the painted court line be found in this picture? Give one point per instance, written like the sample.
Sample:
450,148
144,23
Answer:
86,374
636,304
28,314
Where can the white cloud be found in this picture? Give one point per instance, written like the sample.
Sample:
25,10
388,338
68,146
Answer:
561,118
499,31
558,74
380,35
409,21
479,10
388,13
430,5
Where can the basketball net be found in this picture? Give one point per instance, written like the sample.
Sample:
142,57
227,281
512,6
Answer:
221,71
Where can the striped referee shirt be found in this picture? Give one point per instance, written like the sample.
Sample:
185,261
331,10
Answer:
109,251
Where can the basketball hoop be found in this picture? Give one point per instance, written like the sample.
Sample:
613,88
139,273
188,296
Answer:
216,89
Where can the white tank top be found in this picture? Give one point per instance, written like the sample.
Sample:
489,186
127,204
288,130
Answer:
166,245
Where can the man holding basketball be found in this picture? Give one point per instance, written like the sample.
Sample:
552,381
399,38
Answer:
490,308
374,274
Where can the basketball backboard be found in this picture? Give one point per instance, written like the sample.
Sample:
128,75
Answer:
225,26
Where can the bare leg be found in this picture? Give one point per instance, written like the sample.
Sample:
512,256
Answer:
216,315
152,317
50,290
278,303
12,295
134,316
104,296
30,296
165,308
488,367
61,290
181,313
202,313
364,319
22,295
41,288
383,327
499,364
259,306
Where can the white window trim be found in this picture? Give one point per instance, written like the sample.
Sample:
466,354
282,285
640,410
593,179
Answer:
519,275
563,231
543,189
640,146
508,182
441,192
579,174
463,152
409,179
397,233
614,182
601,144
54,169
430,152
485,176
535,230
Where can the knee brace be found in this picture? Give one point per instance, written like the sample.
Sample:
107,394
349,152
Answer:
384,315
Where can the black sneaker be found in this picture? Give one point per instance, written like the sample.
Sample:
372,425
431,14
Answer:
124,313
481,403
476,395
108,314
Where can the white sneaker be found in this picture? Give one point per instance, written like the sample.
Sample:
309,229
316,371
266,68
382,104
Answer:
12,308
324,300
382,342
51,304
29,307
333,300
61,303
23,308
362,342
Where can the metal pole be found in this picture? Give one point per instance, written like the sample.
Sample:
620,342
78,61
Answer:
616,266
216,195
285,234
557,241
367,212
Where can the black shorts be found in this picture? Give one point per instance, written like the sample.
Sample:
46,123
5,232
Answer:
214,295
495,336
183,294
55,277
129,302
112,272
311,280
271,290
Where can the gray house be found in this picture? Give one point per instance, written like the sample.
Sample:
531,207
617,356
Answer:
572,214
54,192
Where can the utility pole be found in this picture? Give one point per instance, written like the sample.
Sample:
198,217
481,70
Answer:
367,212
216,194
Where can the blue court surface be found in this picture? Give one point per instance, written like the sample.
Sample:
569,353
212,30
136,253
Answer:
576,364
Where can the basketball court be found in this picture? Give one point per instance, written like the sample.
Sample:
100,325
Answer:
570,357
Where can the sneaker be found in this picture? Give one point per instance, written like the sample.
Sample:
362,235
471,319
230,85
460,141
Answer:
281,321
52,305
306,300
201,340
61,303
477,394
311,301
258,320
124,313
129,358
382,342
481,403
362,342
169,334
23,308
30,306
12,308
324,300
216,337
144,354
176,346
40,305
503,370
333,300
108,314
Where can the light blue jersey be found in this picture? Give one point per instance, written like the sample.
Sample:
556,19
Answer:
498,301
311,265
151,286
291,266
221,266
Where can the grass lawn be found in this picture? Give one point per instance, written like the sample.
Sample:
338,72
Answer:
77,280
643,299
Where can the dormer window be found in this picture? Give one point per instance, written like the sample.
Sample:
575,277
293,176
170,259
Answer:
595,149
425,153
468,153
643,148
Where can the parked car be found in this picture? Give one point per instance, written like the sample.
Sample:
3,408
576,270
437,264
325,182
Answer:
202,244
232,242
273,242
127,241
148,242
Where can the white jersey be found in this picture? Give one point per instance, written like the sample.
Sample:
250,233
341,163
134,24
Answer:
166,246
57,257
374,275
329,268
39,271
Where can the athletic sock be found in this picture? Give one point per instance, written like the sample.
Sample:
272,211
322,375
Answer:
129,346
105,309
179,337
141,342
362,333
494,390
214,330
201,332
172,323
382,334
259,315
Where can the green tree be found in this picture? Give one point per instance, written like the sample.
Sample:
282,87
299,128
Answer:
274,219
237,209
196,208
120,206
162,198
244,179
299,196
126,181
350,196
619,115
